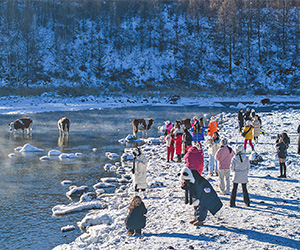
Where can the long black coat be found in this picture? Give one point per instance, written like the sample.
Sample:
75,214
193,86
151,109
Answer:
203,191
241,119
136,218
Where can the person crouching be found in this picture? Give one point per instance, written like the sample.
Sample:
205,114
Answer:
200,193
136,219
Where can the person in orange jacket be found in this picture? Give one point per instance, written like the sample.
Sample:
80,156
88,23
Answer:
212,126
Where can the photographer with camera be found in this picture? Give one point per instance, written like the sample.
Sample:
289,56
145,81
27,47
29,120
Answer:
282,144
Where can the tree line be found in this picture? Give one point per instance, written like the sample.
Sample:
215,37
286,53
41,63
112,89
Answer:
92,46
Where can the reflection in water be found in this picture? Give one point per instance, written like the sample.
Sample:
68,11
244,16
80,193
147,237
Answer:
20,136
63,140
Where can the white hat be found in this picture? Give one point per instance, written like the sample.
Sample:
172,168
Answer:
195,118
239,148
167,122
187,175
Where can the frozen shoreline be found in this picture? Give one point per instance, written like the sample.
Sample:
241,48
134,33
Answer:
48,103
271,222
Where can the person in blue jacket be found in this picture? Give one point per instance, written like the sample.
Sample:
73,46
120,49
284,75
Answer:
200,193
197,130
136,219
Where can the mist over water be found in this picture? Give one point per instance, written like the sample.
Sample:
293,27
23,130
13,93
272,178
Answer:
29,188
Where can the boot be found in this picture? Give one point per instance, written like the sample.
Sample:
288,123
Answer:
198,223
281,168
284,170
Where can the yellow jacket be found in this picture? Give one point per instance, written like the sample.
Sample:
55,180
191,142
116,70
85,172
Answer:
249,135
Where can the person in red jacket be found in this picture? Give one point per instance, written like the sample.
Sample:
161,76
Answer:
178,141
194,158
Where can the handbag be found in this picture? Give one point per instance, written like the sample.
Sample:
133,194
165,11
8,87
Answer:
246,132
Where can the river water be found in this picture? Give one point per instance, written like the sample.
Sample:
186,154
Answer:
29,188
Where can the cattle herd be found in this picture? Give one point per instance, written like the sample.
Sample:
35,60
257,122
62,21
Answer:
26,123
141,124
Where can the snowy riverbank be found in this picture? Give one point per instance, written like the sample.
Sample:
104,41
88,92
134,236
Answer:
50,103
271,222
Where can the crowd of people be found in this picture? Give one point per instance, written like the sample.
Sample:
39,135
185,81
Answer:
188,144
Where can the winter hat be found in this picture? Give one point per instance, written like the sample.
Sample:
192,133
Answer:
223,142
167,122
239,149
187,175
195,118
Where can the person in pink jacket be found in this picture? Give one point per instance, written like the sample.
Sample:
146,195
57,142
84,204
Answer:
223,157
194,158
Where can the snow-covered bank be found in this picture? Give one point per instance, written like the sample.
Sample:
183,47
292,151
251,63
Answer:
48,102
271,222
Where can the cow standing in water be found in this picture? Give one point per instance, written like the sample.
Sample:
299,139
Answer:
142,124
22,123
63,125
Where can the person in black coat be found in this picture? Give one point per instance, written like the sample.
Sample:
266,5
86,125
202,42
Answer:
247,115
282,144
200,193
136,219
241,119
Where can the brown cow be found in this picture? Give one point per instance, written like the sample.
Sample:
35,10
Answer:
142,125
265,101
63,125
186,123
22,123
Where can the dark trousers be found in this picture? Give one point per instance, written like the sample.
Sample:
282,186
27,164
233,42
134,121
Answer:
245,194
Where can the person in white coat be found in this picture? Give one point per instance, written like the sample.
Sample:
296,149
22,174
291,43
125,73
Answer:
139,170
240,167
213,144
256,128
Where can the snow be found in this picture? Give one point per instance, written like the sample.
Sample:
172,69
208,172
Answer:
78,206
23,105
271,221
66,182
54,152
28,148
67,228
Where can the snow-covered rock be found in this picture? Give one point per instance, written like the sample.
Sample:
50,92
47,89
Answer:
63,156
66,182
54,152
77,191
45,158
92,219
88,196
67,228
12,155
112,156
28,148
103,185
78,206
109,179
